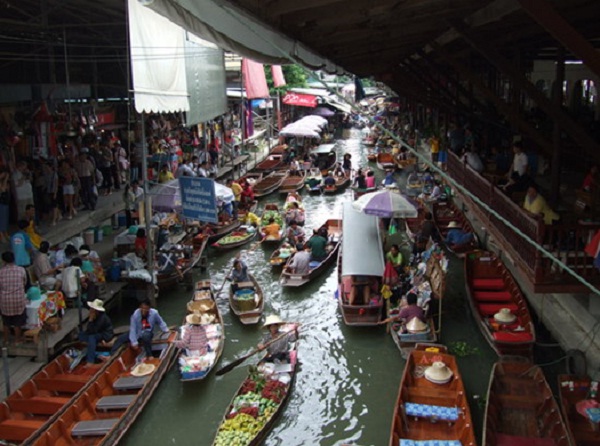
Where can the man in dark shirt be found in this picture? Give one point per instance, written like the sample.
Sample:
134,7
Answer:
426,232
99,329
317,245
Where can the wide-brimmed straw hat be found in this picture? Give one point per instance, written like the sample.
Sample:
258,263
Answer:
143,369
194,319
505,316
83,252
97,305
438,372
272,320
201,306
453,224
416,325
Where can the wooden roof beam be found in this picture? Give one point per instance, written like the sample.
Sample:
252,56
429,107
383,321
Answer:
544,13
577,133
283,7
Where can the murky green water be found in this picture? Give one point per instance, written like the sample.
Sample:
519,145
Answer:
348,380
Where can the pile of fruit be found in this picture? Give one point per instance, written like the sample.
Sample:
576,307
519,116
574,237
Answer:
255,404
275,215
234,238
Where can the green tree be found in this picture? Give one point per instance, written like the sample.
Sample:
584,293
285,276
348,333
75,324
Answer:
295,77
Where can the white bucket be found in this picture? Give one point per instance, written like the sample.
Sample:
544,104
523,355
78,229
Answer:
88,237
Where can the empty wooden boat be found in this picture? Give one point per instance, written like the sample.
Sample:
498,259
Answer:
520,408
247,303
193,367
260,400
334,233
269,184
292,183
360,269
103,412
432,404
385,161
445,213
491,291
40,400
578,395
269,164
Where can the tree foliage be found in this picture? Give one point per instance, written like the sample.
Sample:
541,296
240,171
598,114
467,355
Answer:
295,77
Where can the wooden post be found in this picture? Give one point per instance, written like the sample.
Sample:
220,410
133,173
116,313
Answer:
557,95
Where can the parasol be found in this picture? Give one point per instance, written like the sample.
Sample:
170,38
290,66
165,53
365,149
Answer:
323,111
385,204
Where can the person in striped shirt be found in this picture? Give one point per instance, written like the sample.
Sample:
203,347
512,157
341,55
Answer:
194,337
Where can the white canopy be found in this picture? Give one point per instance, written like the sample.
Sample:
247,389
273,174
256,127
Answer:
362,248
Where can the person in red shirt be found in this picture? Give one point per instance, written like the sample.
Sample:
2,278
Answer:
247,196
140,243
12,297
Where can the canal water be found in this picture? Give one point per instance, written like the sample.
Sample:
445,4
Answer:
348,380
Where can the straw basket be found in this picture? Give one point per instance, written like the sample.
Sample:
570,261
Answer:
244,299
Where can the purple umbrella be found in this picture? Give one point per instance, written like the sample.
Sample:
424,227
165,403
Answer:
323,111
385,204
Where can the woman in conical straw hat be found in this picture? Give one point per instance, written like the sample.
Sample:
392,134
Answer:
194,335
278,350
408,312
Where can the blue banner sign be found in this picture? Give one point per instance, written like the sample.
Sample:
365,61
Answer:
198,199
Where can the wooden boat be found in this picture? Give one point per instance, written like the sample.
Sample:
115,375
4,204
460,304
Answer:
341,182
427,411
292,183
313,180
251,178
369,142
372,155
404,163
520,408
279,149
182,258
325,157
221,229
236,239
269,184
272,210
490,288
436,277
360,256
280,256
32,408
269,164
194,368
300,216
248,310
334,232
445,212
104,411
574,390
270,376
385,161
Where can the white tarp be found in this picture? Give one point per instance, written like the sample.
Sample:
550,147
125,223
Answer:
230,28
157,61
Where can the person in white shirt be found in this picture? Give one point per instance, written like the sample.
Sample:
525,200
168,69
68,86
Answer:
519,164
473,160
185,170
203,170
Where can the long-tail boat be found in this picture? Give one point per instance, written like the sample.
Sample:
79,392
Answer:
292,183
334,233
33,407
385,161
247,303
341,182
498,305
578,396
520,408
428,409
445,213
260,400
193,367
269,184
103,412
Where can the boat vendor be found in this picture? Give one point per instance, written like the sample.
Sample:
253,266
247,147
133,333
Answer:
293,213
239,273
278,350
347,162
252,219
295,235
141,329
408,311
247,196
194,335
456,237
389,180
300,263
394,256
99,330
359,180
318,246
370,180
329,180
271,231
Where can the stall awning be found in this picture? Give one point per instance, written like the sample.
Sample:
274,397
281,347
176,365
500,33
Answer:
362,250
299,99
323,149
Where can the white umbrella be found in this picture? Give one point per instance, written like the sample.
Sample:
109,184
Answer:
385,204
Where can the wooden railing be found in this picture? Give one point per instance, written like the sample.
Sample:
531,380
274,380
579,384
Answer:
564,241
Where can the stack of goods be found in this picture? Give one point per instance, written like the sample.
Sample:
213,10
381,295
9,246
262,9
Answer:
271,214
245,299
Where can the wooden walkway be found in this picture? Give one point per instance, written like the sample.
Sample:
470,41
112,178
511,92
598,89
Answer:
20,369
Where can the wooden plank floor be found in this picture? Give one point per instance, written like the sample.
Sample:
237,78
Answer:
20,369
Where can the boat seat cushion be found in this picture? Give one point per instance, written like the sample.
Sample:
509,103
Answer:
115,402
514,440
492,296
404,442
93,428
488,284
492,309
513,336
429,411
130,382
314,264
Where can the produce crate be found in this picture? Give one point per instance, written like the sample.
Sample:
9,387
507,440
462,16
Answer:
247,303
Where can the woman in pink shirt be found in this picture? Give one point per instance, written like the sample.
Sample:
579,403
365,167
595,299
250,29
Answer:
370,180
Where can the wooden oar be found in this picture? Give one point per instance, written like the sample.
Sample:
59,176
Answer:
232,365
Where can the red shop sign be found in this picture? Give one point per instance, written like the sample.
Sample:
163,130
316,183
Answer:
302,100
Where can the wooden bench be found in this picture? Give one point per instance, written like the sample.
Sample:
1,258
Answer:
93,428
115,402
18,430
130,383
38,405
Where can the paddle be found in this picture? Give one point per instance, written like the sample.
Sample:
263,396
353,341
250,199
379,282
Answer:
231,269
229,367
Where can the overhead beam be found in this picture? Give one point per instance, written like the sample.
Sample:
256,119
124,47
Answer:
544,13
282,7
577,133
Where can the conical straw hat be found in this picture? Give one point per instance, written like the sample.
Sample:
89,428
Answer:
505,316
416,325
439,372
272,319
